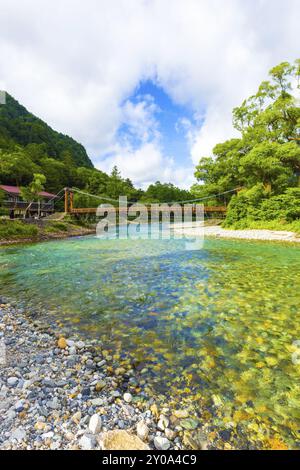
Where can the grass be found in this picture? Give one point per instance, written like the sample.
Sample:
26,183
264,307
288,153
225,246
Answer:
19,230
53,227
16,229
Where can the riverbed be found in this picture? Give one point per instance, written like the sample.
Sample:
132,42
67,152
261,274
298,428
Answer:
212,329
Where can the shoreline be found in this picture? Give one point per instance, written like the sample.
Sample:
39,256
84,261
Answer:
48,237
206,231
62,392
216,231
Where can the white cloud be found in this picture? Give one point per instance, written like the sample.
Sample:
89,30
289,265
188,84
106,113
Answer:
147,164
75,63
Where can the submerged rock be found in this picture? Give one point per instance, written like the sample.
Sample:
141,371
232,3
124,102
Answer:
127,397
62,343
121,440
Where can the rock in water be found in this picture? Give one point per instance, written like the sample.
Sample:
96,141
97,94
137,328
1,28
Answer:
127,397
100,385
95,424
161,443
142,430
181,414
121,440
163,423
62,343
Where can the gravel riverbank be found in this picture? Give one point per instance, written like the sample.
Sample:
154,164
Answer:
59,392
217,231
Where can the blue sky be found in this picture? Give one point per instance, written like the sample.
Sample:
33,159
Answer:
169,117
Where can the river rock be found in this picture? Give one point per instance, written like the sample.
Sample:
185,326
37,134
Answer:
100,385
62,343
170,434
95,424
127,397
121,440
86,442
163,423
142,430
18,434
161,443
181,414
12,381
76,417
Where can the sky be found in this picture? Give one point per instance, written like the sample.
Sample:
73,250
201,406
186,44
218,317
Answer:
147,85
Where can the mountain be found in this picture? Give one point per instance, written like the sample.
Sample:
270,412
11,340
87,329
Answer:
21,127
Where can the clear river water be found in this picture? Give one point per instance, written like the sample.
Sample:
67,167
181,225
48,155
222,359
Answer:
213,328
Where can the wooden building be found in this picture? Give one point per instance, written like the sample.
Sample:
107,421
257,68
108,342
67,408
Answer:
18,207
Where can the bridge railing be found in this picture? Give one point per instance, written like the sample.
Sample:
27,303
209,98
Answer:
23,205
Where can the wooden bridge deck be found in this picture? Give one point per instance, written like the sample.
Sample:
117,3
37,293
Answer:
93,210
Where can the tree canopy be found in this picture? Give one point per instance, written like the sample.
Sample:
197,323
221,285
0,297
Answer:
266,157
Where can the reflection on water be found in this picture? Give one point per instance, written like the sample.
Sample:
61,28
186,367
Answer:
213,326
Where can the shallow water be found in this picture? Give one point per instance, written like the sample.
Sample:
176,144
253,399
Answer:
208,327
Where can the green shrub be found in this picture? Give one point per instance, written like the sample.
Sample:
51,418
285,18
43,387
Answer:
255,205
286,206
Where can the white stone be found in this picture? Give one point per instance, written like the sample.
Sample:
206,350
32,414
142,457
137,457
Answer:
142,430
127,397
18,434
170,434
12,381
163,423
97,402
95,424
161,443
48,435
86,443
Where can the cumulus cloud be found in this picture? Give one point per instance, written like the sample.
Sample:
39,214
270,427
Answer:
76,63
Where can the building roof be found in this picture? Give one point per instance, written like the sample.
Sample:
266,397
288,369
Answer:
16,191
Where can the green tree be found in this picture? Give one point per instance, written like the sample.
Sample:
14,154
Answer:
16,167
267,154
31,193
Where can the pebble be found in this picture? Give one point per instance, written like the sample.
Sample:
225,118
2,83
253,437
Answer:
86,443
95,424
162,443
100,385
127,397
12,381
170,434
142,430
62,343
163,423
76,417
18,434
66,393
19,406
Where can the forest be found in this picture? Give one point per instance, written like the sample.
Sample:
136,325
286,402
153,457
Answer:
28,147
264,162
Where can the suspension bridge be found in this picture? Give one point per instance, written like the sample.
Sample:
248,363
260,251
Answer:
110,203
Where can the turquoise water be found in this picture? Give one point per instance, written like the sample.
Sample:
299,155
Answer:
212,329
